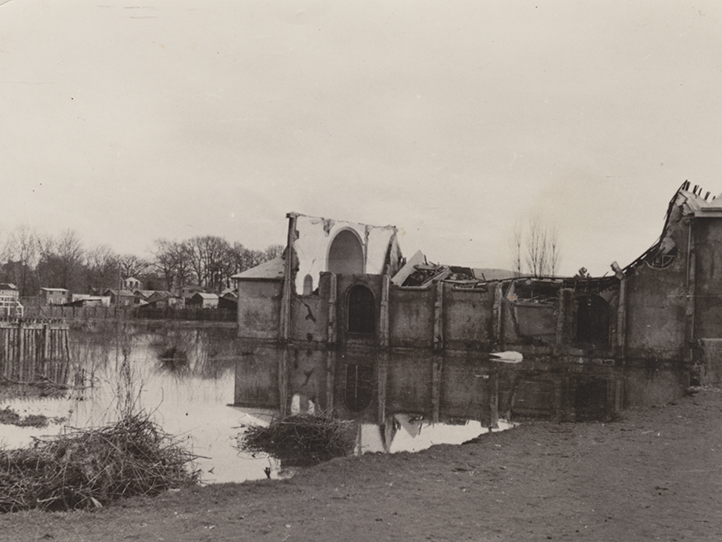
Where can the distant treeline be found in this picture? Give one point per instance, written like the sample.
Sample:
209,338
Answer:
32,261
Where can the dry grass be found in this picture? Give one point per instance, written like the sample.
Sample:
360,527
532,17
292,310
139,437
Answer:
302,437
92,467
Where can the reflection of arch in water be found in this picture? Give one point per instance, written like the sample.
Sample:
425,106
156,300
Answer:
592,321
361,310
359,386
345,254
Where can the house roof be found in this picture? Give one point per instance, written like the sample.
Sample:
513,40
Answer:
54,289
204,295
270,270
114,291
7,286
148,293
493,274
161,294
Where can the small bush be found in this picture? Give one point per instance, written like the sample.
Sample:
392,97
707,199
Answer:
92,467
302,438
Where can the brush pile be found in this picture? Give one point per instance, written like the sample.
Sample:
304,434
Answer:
301,438
92,467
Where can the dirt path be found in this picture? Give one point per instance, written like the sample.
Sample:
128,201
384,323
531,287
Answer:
656,475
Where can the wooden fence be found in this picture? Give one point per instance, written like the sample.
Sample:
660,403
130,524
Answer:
129,313
33,352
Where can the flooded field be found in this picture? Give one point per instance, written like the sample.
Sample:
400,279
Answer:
185,384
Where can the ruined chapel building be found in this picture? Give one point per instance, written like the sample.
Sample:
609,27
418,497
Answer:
344,321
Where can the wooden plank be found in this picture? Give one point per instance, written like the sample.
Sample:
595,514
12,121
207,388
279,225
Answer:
30,354
8,358
21,348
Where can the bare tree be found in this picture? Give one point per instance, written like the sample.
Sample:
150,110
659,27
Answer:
515,245
537,246
132,265
61,261
273,251
172,259
22,254
101,268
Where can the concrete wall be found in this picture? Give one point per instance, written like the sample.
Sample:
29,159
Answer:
656,304
259,309
468,315
411,317
708,279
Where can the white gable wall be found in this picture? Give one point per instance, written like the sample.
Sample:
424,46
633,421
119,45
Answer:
314,240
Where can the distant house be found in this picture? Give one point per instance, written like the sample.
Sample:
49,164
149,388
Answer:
163,299
189,290
228,300
10,300
87,300
54,296
120,298
270,270
203,300
142,296
131,283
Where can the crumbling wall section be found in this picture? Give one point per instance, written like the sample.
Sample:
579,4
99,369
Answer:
313,237
656,306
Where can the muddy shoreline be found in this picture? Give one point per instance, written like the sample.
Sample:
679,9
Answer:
655,474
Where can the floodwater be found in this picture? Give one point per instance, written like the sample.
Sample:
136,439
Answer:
193,404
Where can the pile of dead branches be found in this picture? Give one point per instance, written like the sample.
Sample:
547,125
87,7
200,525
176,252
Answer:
310,438
92,467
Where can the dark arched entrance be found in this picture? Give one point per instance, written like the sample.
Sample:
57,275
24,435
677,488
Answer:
593,321
361,310
359,386
346,255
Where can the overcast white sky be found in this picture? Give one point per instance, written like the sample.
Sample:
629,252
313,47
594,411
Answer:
451,120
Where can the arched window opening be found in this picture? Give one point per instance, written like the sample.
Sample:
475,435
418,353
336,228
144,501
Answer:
361,310
593,321
346,256
359,386
307,285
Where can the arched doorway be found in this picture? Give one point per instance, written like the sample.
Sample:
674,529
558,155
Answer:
361,310
593,321
346,256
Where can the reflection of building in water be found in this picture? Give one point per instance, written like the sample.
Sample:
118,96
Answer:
343,319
